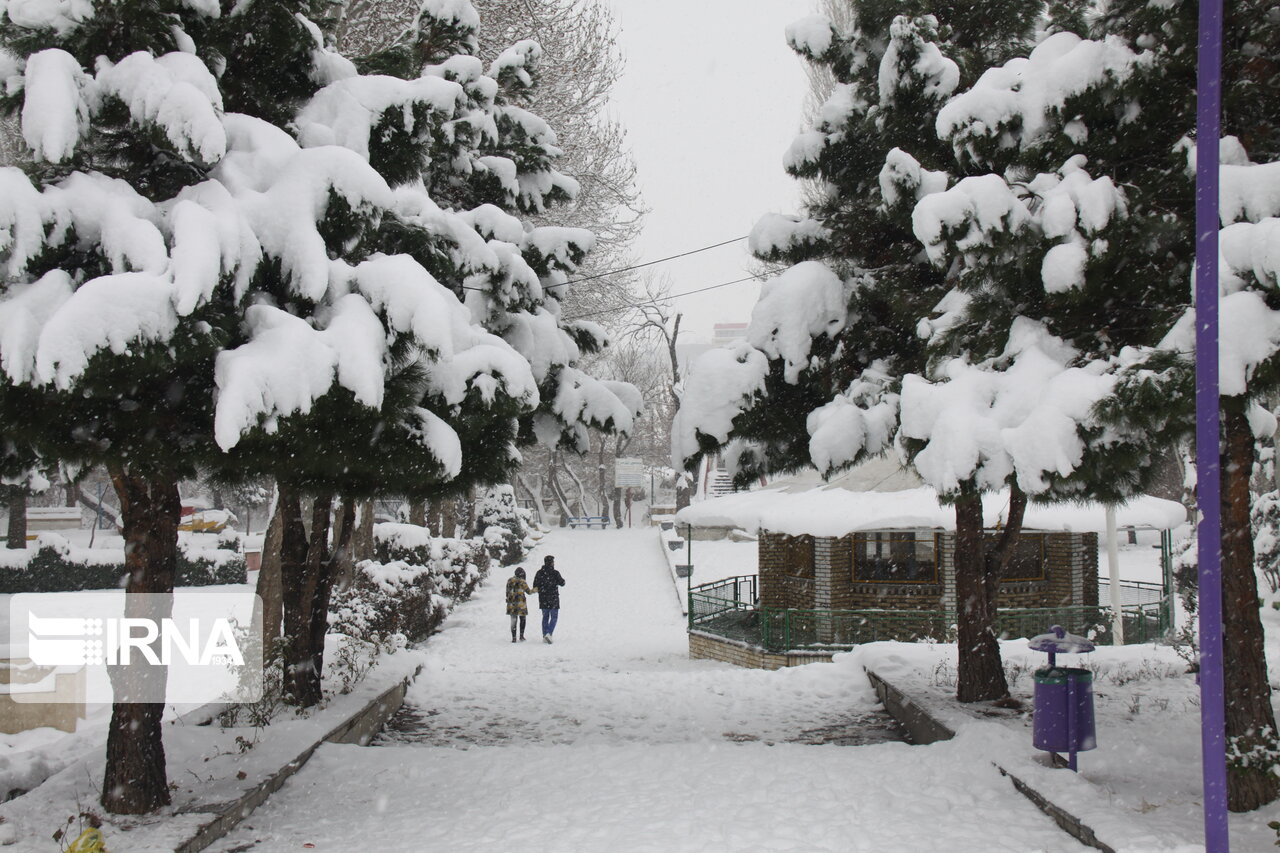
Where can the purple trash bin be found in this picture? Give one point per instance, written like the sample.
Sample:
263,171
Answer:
1063,719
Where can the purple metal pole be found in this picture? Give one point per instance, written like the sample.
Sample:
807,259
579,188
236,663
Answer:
1212,700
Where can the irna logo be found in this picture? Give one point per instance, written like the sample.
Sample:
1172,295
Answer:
192,646
124,641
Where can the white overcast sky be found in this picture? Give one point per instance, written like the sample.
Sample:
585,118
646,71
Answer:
711,98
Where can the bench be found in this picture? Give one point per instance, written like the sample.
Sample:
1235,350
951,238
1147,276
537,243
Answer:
589,521
53,518
41,518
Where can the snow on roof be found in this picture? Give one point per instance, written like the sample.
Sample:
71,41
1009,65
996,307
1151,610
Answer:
838,512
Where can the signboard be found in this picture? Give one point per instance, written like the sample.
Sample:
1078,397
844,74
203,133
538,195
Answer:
628,473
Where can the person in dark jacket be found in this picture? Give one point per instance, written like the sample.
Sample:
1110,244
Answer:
547,583
517,609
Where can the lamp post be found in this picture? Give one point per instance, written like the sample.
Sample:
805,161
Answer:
688,558
1209,475
1113,575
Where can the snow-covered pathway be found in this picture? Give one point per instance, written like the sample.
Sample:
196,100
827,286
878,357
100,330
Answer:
613,740
618,672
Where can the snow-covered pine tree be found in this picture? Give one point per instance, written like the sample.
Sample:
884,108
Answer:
503,524
190,287
833,337
1021,348
107,351
504,171
486,157
1103,258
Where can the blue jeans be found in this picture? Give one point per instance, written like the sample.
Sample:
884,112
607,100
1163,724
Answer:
549,618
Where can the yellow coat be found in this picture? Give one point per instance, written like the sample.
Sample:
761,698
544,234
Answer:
517,589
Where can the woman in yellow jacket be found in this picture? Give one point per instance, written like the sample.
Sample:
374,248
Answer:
517,607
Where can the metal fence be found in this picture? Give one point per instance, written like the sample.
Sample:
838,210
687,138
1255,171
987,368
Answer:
1132,592
730,608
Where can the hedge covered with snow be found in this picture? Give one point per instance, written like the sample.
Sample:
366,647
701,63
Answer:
415,582
55,565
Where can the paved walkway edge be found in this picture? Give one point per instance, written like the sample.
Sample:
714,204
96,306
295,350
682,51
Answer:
359,728
924,728
674,558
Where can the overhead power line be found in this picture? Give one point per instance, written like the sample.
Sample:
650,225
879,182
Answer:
636,266
662,298
650,263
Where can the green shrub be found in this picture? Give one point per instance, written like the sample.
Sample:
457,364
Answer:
55,566
503,525
405,594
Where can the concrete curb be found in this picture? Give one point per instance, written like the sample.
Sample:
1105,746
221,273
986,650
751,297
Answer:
920,725
1069,823
924,728
679,584
359,728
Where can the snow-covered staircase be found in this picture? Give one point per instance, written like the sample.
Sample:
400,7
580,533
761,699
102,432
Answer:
721,483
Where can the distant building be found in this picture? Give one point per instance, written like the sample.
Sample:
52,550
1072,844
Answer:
724,334
692,345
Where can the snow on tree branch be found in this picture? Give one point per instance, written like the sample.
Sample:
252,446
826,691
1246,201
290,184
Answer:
1021,102
717,389
806,301
988,425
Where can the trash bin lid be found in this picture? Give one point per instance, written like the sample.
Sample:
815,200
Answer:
1059,642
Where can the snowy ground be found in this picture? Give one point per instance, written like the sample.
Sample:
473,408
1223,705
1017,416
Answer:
612,739
1145,772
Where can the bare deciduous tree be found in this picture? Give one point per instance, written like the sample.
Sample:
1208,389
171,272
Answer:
655,319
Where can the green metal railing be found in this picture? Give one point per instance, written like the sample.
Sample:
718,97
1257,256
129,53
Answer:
730,608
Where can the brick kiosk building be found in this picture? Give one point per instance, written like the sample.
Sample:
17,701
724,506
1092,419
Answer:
913,569
839,566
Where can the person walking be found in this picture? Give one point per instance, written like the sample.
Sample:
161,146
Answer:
547,583
517,607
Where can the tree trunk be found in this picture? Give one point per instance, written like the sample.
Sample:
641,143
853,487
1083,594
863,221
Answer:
270,583
135,781
17,518
603,484
1249,712
581,488
299,586
73,495
1001,554
362,545
448,523
557,490
418,513
470,508
344,559
673,354
322,561
539,511
980,671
